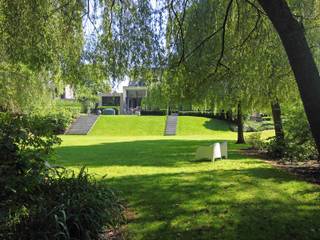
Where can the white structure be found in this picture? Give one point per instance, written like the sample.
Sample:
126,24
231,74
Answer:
68,93
212,152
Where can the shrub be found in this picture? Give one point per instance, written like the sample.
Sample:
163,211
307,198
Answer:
254,126
276,149
69,206
59,121
68,106
40,202
153,112
255,141
301,145
196,114
298,144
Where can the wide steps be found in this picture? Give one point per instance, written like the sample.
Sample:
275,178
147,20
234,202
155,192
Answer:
171,125
82,125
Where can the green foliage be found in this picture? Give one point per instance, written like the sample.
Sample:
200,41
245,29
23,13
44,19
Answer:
67,206
73,107
254,126
277,149
61,115
153,112
298,144
207,114
255,141
22,89
60,121
156,98
25,145
298,134
42,34
40,202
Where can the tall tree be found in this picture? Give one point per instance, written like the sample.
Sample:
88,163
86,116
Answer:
300,57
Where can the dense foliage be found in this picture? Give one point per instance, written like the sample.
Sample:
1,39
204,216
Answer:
42,202
298,144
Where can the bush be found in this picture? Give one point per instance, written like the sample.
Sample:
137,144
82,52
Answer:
301,145
40,202
153,112
276,149
255,141
59,121
196,114
298,144
69,206
68,106
254,126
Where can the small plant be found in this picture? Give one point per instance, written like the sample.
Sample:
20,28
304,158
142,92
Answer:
276,149
255,141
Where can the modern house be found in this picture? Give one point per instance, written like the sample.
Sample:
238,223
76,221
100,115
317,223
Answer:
128,101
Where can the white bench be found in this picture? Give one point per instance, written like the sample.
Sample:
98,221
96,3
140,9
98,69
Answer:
212,152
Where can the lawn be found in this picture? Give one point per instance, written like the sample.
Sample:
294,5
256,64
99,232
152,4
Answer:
171,196
120,125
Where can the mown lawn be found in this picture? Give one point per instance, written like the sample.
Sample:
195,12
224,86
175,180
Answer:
171,196
128,126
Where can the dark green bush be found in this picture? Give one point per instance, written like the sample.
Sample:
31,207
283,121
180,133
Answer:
153,112
301,145
69,206
59,121
41,202
196,114
276,149
298,144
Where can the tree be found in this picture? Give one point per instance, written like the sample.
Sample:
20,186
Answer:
300,57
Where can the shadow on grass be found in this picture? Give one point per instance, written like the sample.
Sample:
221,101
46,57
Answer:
239,198
220,204
217,125
136,153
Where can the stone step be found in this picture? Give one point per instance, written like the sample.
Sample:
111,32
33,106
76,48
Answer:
82,125
171,125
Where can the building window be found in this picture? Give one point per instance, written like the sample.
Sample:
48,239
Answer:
111,101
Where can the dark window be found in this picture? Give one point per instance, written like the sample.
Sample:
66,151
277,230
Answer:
111,101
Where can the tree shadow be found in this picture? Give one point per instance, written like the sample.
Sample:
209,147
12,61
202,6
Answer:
217,125
136,153
218,204
247,199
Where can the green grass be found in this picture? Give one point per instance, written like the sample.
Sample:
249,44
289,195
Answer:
202,126
128,126
171,196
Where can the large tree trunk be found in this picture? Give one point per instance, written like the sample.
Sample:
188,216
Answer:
277,120
240,125
300,58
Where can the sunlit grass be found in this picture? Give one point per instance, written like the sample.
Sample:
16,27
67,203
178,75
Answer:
129,126
171,196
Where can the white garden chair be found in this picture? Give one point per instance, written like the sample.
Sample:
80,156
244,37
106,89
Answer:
212,152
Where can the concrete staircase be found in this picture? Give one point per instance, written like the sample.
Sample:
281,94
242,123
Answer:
171,125
82,125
